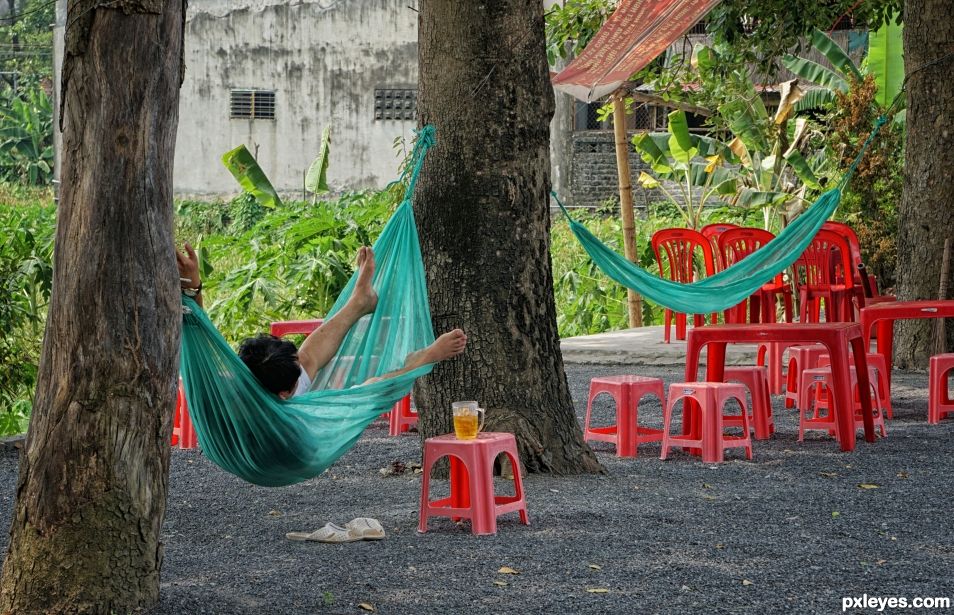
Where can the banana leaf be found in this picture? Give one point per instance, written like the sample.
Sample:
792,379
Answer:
802,169
817,98
754,199
680,141
815,73
885,61
835,54
316,179
244,168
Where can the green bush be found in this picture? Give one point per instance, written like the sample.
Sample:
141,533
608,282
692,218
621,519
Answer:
26,277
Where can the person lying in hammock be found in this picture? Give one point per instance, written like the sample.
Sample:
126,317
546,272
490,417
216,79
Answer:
286,370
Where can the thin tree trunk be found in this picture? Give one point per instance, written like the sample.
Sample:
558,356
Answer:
92,487
926,215
482,209
633,300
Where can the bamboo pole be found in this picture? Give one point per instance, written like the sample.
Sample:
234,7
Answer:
940,335
634,301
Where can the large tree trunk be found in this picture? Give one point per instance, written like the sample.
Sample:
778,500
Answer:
92,488
483,213
926,216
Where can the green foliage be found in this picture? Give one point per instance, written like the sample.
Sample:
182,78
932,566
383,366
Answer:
570,27
26,43
26,276
886,62
26,135
762,32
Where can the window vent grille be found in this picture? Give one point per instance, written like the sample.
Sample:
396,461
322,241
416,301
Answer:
395,104
252,105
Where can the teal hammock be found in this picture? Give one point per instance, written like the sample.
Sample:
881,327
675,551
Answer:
730,286
250,432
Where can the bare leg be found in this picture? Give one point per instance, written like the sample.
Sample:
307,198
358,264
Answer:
319,347
446,346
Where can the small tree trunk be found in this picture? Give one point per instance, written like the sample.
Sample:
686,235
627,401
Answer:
92,487
483,213
926,215
633,300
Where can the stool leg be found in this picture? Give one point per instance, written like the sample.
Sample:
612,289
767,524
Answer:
518,488
460,485
426,464
711,431
625,424
667,420
483,509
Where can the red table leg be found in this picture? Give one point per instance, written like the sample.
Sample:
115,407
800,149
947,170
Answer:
626,425
843,404
885,329
864,387
459,485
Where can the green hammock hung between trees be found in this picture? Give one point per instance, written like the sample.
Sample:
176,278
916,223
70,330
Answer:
730,286
248,431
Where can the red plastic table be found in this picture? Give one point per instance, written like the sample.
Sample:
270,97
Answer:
290,327
884,314
836,336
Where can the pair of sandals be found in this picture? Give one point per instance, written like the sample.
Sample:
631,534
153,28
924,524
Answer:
362,528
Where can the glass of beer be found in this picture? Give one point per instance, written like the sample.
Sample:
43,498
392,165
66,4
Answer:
468,419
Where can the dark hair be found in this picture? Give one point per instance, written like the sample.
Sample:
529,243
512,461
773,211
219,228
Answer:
274,362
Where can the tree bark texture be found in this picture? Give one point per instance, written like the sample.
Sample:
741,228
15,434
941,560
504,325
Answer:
926,215
91,494
482,207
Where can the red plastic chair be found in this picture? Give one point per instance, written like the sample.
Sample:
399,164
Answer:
712,232
855,246
738,243
820,274
679,246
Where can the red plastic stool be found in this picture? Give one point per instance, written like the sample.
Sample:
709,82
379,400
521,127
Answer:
879,374
819,416
708,433
626,434
800,358
472,481
940,403
402,418
755,380
183,434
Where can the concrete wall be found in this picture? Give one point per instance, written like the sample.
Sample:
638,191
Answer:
323,60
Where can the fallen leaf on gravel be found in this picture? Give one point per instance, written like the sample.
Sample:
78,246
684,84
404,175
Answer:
828,474
396,468
507,570
554,491
274,513
720,546
746,582
868,486
366,606
685,588
596,567
835,513
501,583
706,486
894,538
881,561
597,590
903,475
709,497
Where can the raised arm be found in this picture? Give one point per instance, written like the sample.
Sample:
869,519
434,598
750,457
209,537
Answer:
189,278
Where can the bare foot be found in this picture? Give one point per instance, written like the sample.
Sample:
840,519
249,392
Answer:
364,295
446,346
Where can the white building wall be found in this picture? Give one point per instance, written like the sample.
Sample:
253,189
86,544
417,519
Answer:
323,60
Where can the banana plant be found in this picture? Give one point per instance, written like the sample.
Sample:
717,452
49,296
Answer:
26,136
884,62
761,167
245,169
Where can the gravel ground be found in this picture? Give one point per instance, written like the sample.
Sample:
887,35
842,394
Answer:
790,531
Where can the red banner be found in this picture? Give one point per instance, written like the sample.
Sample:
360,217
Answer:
636,32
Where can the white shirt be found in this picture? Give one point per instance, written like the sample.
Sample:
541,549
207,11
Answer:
303,385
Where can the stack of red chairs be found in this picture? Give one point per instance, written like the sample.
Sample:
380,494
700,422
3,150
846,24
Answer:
676,250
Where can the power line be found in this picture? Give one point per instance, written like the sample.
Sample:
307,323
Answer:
19,16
